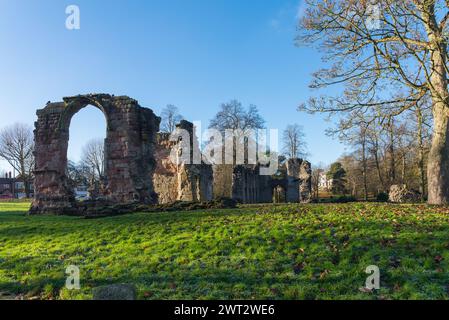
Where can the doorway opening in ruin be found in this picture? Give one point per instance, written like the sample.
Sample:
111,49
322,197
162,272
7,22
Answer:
279,195
86,152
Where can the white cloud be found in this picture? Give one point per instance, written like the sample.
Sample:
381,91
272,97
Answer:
288,14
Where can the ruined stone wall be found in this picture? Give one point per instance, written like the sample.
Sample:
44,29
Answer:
223,180
245,184
52,191
293,180
299,181
305,187
138,165
240,182
195,180
130,146
206,190
165,178
248,186
265,193
129,149
176,180
195,183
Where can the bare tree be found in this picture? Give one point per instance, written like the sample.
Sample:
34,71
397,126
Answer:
317,172
243,122
93,157
374,140
17,147
354,132
381,47
233,116
79,174
354,177
170,118
294,141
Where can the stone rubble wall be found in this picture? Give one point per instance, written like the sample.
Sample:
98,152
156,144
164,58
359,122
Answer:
222,177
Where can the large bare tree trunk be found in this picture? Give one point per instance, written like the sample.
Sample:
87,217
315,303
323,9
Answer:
438,163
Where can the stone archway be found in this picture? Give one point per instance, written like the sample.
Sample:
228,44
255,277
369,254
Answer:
279,188
129,152
279,194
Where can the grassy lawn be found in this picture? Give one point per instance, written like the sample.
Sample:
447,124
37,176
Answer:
254,252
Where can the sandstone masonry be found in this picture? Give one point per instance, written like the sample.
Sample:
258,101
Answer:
129,152
144,166
176,179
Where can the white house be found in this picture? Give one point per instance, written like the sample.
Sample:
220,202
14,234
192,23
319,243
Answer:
324,182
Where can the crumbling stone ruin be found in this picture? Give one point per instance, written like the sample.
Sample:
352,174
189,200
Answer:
249,186
145,167
401,194
129,152
299,177
305,185
244,183
180,179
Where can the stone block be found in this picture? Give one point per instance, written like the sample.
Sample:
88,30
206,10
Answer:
115,292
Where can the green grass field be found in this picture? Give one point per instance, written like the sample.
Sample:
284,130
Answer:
255,252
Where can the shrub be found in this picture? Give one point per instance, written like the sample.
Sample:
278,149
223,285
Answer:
345,199
382,197
338,199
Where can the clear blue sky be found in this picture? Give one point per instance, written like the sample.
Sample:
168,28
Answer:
195,54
